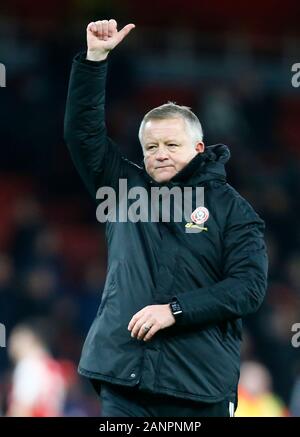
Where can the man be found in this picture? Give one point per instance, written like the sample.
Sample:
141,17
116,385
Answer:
39,385
166,338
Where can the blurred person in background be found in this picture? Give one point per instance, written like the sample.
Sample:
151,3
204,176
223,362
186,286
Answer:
256,398
182,294
294,405
39,383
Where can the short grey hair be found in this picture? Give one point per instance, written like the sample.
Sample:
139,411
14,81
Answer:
172,110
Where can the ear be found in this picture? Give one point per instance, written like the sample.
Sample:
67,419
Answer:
200,147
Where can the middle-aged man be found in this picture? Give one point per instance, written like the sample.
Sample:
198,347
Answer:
166,337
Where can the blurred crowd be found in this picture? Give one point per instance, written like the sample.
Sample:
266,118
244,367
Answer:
52,250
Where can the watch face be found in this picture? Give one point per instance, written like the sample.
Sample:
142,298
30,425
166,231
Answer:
176,308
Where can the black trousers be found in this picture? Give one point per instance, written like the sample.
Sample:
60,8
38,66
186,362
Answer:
120,401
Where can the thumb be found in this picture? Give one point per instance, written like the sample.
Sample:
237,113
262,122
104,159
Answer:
125,31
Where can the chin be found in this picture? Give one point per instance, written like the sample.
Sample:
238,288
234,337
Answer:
160,178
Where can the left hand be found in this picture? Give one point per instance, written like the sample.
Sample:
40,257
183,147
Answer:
154,317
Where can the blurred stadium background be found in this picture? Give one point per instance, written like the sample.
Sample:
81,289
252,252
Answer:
231,63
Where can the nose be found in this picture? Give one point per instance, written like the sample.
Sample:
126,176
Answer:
161,154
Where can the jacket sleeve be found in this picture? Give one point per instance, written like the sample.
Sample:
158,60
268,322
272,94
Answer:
245,266
94,154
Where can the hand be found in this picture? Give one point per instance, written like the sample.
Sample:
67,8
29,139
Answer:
103,36
155,317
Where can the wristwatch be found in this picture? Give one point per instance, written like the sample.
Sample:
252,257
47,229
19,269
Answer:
176,309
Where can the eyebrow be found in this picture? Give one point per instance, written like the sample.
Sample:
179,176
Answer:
169,141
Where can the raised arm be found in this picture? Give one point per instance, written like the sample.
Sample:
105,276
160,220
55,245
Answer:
94,154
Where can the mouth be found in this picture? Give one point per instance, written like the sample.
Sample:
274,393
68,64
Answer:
165,166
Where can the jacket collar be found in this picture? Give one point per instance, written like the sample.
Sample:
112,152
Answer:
206,166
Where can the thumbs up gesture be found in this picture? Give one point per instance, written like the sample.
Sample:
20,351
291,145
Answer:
103,36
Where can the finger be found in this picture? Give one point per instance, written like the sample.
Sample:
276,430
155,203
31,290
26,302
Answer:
99,29
132,322
136,316
92,27
142,332
125,31
112,27
137,327
151,332
105,29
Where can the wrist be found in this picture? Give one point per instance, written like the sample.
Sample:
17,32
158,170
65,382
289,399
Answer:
176,309
96,56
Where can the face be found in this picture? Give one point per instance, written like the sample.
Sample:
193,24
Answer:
167,147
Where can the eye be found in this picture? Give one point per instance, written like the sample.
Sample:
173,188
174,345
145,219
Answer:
173,145
152,147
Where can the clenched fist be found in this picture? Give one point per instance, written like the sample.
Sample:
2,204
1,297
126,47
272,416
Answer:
103,36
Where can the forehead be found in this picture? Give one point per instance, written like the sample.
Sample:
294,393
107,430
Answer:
164,129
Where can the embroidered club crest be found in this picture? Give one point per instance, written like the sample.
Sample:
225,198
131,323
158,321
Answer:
200,215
